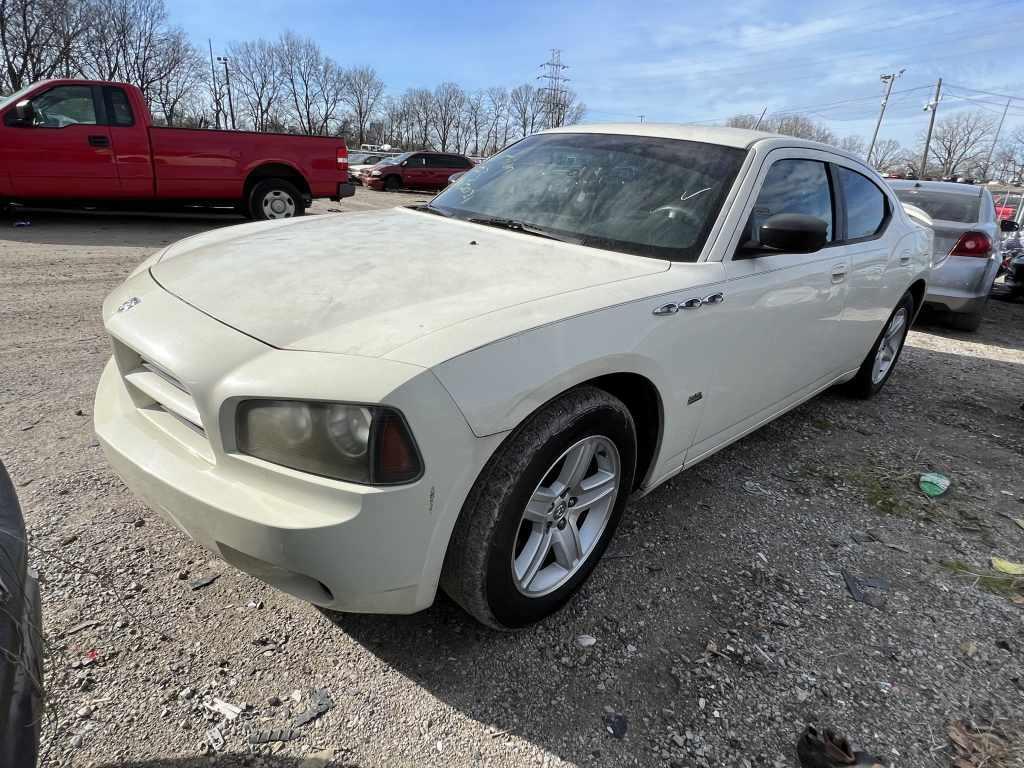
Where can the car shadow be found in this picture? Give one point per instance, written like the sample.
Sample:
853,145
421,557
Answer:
104,228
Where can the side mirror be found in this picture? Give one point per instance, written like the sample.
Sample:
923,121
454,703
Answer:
24,113
456,176
405,163
793,233
1008,225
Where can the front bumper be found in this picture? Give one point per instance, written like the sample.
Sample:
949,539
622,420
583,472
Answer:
373,182
962,284
339,545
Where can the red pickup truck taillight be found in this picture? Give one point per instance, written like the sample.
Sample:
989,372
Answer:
343,158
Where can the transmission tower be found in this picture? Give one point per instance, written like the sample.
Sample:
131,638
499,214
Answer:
556,95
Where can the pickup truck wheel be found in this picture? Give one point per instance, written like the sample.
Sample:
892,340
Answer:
275,199
543,510
392,183
881,360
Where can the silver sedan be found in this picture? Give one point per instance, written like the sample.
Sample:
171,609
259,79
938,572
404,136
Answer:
967,230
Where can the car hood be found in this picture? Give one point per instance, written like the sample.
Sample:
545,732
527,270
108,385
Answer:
365,284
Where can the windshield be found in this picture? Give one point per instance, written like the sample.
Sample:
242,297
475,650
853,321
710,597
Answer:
636,194
16,96
396,159
948,206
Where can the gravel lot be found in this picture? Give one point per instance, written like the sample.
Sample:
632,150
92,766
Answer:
722,620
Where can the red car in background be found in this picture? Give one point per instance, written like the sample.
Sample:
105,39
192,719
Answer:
415,170
84,141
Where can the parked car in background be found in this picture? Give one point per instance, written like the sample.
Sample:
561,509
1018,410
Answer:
967,230
83,141
468,393
21,638
361,161
415,170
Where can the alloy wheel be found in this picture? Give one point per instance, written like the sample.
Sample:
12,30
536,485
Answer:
890,345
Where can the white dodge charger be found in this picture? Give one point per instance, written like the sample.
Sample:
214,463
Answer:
359,409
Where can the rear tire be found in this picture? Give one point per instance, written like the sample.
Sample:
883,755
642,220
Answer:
275,199
528,536
881,360
392,183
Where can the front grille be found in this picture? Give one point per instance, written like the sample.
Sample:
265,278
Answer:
153,386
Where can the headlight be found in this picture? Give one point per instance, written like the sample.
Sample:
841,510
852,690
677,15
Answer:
375,173
363,444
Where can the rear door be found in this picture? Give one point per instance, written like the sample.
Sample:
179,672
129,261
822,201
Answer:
129,139
66,152
778,314
453,164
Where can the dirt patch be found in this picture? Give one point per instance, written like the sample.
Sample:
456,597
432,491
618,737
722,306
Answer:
722,618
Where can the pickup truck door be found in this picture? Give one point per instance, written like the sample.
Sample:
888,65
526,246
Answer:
779,316
129,138
65,152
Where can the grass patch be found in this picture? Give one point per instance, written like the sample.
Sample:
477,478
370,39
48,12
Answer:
882,494
997,583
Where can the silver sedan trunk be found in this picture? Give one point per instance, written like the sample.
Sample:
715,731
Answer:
966,229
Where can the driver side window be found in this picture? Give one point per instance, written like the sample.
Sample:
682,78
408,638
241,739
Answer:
792,186
63,106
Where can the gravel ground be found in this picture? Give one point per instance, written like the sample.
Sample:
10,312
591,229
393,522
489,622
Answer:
721,617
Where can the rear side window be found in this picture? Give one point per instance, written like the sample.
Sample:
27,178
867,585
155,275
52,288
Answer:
119,107
865,204
438,161
457,161
948,206
794,186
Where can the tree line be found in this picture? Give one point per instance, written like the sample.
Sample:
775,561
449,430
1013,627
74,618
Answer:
961,145
285,85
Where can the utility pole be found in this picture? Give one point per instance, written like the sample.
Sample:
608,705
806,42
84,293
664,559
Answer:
227,81
641,117
215,87
995,140
934,107
555,96
888,80
758,123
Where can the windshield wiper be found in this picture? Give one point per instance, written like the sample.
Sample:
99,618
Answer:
428,208
519,226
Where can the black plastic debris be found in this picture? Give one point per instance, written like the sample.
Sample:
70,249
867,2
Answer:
830,750
867,590
205,581
616,724
320,703
273,734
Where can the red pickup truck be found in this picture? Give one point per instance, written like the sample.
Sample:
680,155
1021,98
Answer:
84,141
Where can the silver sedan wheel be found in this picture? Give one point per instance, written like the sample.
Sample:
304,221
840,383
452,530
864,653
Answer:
566,516
278,204
889,348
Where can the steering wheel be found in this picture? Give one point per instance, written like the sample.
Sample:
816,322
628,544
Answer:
678,212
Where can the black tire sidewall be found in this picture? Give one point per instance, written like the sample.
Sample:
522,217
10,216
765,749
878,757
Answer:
508,605
260,191
392,183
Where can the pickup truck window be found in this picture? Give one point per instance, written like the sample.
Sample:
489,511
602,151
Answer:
119,109
63,106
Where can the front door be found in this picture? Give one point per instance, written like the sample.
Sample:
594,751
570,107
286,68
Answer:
778,321
65,152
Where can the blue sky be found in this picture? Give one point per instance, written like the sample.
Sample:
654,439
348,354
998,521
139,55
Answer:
671,61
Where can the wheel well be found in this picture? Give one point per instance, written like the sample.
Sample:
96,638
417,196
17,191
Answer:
275,171
917,291
644,403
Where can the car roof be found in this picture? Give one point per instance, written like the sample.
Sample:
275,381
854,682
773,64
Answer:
741,138
947,187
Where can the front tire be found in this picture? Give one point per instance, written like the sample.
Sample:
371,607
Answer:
275,199
543,510
881,360
392,183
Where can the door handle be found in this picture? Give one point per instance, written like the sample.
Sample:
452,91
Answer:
838,274
905,257
99,141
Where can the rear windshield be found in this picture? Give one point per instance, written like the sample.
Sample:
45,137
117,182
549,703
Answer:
948,206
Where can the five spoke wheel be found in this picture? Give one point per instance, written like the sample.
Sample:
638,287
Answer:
889,348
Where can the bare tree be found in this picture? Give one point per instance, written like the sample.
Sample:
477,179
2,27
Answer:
959,142
498,128
853,144
184,74
36,40
362,94
300,61
258,82
448,101
419,103
527,106
888,156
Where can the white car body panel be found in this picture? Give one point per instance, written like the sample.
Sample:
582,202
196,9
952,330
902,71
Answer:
467,330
